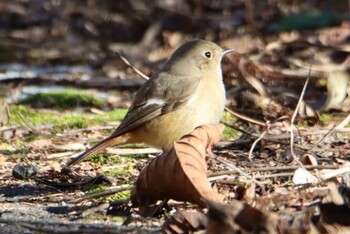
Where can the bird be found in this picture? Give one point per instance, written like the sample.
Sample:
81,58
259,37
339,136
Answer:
187,92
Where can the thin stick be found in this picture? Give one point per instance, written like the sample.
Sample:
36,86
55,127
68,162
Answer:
5,128
285,174
34,130
292,168
344,122
246,118
250,155
133,151
102,194
322,138
236,128
269,169
137,71
293,120
253,81
231,166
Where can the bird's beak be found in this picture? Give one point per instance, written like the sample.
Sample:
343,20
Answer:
224,52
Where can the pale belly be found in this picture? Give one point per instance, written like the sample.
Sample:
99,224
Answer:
204,108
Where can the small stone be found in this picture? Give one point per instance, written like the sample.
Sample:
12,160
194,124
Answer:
24,171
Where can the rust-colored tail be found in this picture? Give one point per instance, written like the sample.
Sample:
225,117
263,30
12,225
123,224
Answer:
109,141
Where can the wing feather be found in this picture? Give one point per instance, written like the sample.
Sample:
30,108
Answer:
161,95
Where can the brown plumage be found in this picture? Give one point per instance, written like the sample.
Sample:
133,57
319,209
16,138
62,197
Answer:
185,93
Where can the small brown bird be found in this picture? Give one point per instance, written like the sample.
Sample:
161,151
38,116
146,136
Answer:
185,93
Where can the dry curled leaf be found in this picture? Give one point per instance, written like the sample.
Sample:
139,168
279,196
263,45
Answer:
180,174
239,216
184,222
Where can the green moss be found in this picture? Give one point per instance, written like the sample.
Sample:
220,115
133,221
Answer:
5,145
325,118
119,171
104,158
31,137
118,219
229,133
63,99
118,196
115,115
20,144
95,189
229,118
35,118
303,124
60,122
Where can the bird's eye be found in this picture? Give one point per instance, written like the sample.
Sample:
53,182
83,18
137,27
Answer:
207,54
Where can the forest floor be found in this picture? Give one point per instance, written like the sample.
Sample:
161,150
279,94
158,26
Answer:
63,88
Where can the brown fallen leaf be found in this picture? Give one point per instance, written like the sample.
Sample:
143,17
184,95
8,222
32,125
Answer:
184,222
180,174
238,216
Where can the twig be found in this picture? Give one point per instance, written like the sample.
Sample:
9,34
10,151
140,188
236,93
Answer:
102,194
236,128
253,81
305,133
32,128
269,169
74,227
250,155
221,177
231,166
322,138
287,168
293,120
133,151
5,128
60,155
246,118
92,129
279,138
87,181
131,66
344,122
286,174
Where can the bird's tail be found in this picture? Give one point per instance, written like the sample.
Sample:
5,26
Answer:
109,141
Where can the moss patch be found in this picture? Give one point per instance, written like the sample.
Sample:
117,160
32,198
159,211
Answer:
95,189
228,117
61,122
63,99
229,133
325,118
104,158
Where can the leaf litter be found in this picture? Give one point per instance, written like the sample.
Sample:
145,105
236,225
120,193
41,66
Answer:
254,181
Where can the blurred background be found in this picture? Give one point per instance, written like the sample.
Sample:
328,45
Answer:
57,45
63,87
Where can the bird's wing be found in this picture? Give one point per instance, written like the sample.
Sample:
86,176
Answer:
156,98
